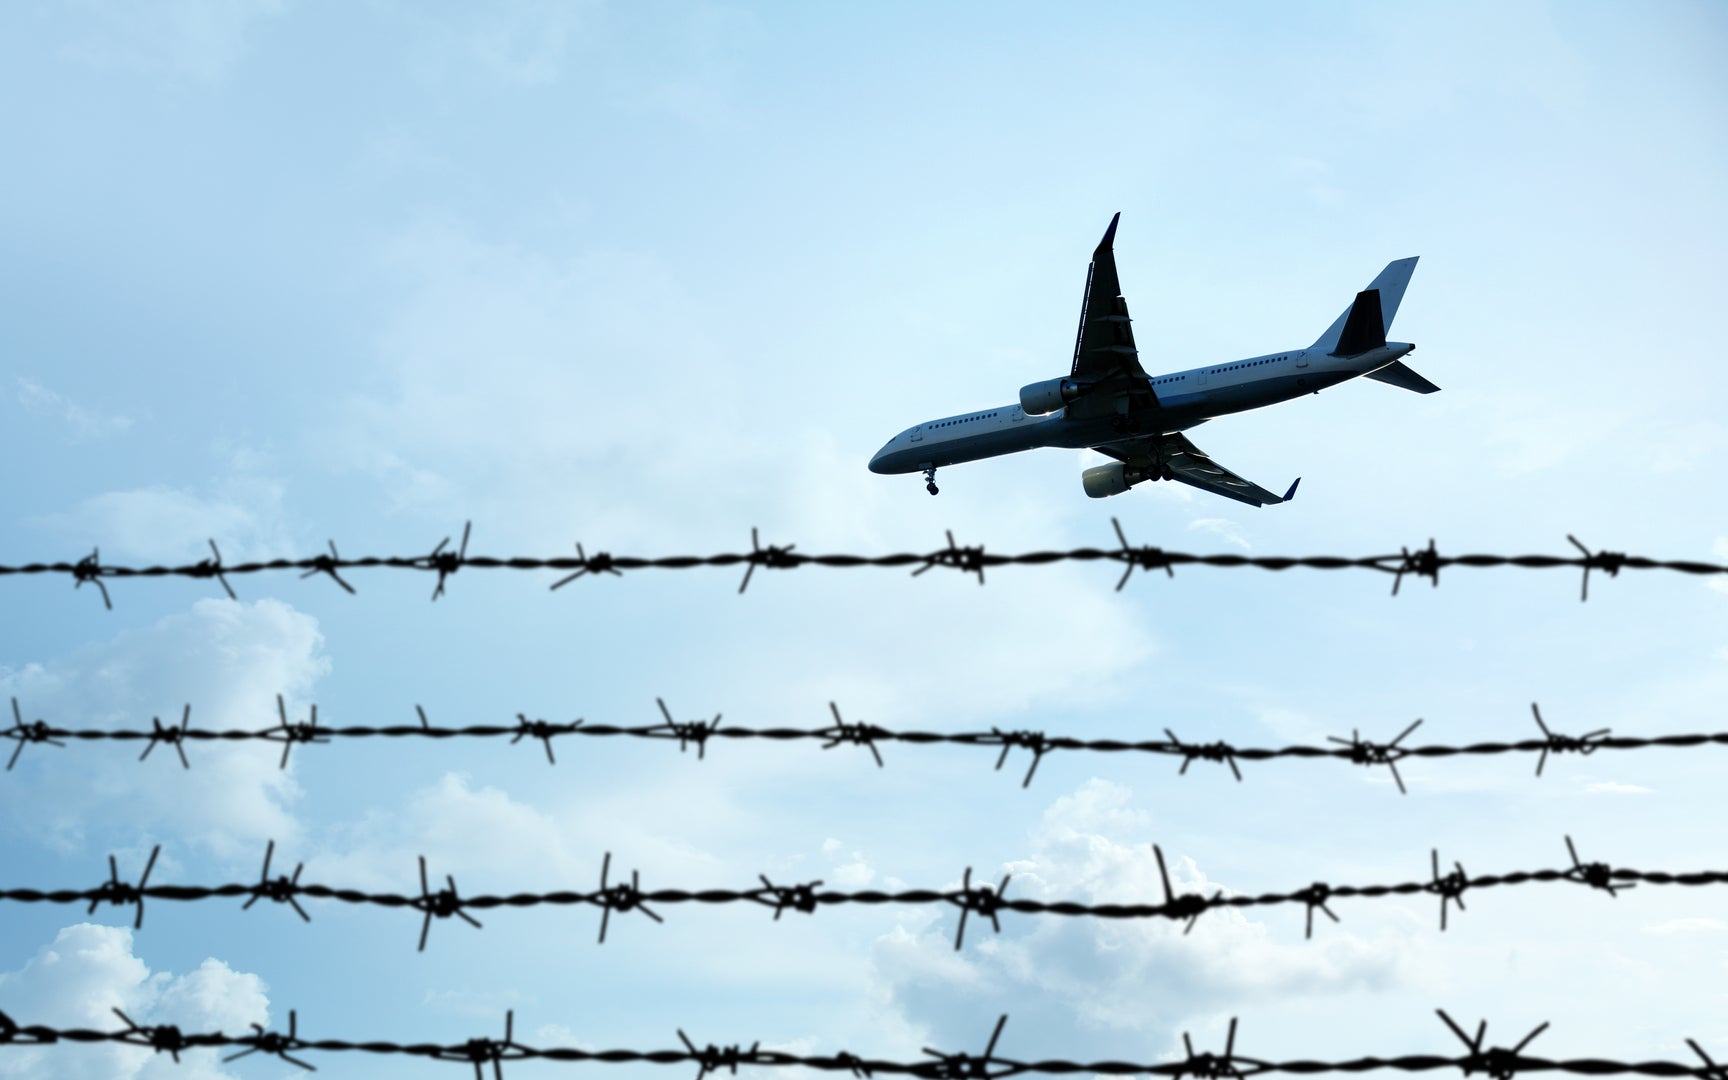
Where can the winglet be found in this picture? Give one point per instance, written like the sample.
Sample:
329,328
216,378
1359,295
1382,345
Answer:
1291,494
1109,234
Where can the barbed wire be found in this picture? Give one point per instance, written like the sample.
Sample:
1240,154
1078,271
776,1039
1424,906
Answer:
984,900
1498,1063
1356,750
1425,562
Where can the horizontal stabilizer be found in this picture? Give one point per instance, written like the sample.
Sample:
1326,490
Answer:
1396,374
1363,327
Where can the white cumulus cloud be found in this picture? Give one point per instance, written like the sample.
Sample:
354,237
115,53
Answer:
228,660
1123,975
87,972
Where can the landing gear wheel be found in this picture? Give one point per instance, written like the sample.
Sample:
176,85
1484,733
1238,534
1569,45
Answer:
931,488
930,480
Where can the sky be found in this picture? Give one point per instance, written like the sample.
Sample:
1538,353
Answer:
646,276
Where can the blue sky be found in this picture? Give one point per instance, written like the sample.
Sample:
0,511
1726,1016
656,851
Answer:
645,276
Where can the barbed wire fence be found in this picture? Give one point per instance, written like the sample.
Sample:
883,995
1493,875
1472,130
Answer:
697,733
1496,1062
986,901
1423,562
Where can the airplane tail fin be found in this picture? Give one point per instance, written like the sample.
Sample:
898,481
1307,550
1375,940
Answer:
1367,321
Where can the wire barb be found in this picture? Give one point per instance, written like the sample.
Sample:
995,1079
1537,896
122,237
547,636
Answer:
480,1050
536,729
1146,558
862,734
1372,753
601,563
797,897
1315,896
696,731
963,1066
1585,745
212,567
37,731
269,1042
1210,1066
282,890
162,1038
1497,1062
1218,751
967,560
1424,562
1711,1070
327,564
712,1058
90,569
441,904
1597,875
123,893
619,897
1031,740
1450,888
288,734
1189,906
1609,562
774,558
446,562
982,899
175,737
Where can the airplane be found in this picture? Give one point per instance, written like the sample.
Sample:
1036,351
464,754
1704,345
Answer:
1109,403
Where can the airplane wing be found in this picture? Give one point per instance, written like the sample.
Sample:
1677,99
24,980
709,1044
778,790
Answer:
1104,351
1189,464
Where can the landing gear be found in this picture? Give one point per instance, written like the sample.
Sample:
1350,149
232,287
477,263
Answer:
930,481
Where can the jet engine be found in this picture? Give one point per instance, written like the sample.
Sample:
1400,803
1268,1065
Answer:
1046,397
1103,481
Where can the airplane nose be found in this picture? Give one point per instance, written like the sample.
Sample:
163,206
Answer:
879,463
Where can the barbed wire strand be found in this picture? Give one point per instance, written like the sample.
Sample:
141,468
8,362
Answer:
1426,562
984,900
1497,1063
1356,750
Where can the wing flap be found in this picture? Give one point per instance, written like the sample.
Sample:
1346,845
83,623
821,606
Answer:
1187,463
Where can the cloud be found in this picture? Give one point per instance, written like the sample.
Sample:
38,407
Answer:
1223,528
514,42
241,510
1107,975
85,424
228,660
200,40
1694,925
1612,787
475,831
86,973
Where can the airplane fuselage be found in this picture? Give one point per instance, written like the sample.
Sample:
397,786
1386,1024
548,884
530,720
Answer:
1185,399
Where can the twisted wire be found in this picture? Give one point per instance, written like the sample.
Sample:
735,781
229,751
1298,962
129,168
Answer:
1423,562
838,732
1496,1062
988,902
